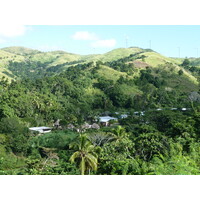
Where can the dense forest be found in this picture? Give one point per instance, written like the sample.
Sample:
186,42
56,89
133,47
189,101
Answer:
159,96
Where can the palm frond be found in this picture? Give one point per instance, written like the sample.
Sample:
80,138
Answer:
74,156
92,161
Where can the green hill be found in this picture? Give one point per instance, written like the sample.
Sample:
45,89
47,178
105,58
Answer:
154,59
118,54
20,62
55,57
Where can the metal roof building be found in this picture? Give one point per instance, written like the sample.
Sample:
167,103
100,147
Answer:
106,118
42,129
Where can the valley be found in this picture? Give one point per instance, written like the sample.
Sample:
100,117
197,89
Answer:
155,99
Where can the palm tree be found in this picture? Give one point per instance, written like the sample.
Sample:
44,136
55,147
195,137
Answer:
119,133
122,139
85,155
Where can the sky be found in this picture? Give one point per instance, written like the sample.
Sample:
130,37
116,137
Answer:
169,40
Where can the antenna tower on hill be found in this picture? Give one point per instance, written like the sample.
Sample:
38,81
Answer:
149,44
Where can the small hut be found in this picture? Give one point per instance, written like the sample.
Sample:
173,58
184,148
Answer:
71,126
95,126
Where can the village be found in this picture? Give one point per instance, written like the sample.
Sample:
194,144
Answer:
102,121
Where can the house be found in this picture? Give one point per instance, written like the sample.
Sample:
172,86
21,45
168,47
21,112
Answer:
57,124
42,129
123,116
104,120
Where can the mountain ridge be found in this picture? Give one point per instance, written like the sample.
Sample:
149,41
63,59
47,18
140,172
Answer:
33,63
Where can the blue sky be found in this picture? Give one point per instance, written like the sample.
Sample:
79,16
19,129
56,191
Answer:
165,39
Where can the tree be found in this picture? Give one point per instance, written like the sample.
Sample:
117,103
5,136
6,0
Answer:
117,155
186,63
100,138
85,155
151,144
16,133
119,133
180,72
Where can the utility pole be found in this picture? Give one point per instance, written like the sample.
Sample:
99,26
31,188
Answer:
126,40
149,44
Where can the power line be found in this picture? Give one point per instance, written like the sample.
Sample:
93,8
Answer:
126,41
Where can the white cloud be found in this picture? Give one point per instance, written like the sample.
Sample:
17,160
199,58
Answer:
8,30
97,43
84,35
104,43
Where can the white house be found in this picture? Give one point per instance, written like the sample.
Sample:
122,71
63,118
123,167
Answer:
42,129
123,116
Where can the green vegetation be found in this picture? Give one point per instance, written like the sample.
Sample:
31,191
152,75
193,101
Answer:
38,88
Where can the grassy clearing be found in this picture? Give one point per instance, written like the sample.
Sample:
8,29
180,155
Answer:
155,59
130,90
110,73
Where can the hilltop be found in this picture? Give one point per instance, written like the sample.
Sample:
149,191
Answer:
21,62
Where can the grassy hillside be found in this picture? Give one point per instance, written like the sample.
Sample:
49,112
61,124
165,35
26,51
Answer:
154,59
119,53
55,57
110,73
24,62
5,58
111,55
